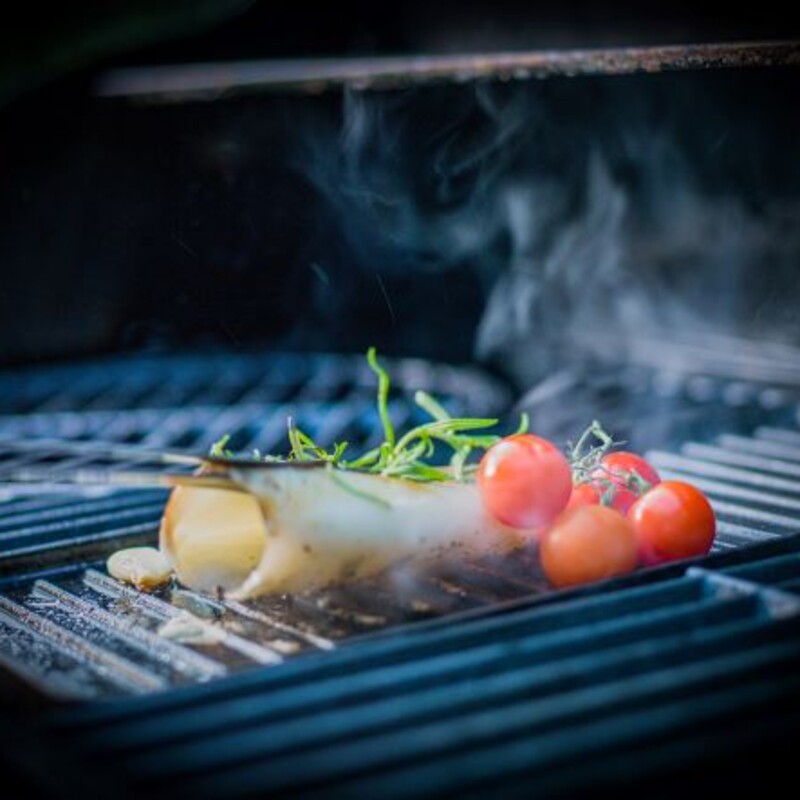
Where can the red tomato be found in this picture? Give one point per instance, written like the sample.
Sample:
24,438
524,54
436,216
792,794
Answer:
584,494
587,543
628,473
525,481
673,520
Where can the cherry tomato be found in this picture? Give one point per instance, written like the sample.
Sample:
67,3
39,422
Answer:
525,481
587,543
673,520
584,494
626,471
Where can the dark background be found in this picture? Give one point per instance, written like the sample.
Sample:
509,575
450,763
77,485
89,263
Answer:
127,226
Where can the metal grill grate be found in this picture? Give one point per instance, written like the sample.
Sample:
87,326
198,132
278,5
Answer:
44,612
479,706
52,542
225,379
499,685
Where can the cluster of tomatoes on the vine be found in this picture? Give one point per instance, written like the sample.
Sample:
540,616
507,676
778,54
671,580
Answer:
596,515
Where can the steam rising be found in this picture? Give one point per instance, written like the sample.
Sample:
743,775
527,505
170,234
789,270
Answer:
591,213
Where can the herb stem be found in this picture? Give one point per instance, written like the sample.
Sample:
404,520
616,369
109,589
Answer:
383,396
348,487
404,458
431,406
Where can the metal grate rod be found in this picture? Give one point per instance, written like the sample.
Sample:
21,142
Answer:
181,659
164,612
113,667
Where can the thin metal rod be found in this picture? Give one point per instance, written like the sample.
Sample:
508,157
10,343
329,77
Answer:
210,81
106,450
130,479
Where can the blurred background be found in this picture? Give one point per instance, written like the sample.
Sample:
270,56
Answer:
507,223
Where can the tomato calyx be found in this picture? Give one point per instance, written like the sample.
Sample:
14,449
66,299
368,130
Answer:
615,477
587,453
585,457
612,482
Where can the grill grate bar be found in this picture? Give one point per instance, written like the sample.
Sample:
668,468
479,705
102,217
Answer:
214,379
320,642
524,679
719,489
479,582
730,535
22,503
725,357
778,604
782,435
531,718
773,521
45,666
425,642
75,508
118,670
761,447
706,452
448,705
692,466
181,659
78,546
102,519
770,570
409,678
149,512
612,718
755,498
164,612
270,631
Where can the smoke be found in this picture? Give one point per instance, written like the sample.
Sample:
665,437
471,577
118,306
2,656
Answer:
590,213
413,189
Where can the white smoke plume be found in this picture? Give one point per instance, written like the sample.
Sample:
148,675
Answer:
588,226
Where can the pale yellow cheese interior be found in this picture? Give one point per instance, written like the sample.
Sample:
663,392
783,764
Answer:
214,538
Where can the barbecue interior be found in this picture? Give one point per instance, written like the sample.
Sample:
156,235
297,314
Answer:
617,248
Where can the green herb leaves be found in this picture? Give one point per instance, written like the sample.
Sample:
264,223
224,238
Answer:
218,449
407,456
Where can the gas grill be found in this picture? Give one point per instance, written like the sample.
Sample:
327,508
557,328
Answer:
243,293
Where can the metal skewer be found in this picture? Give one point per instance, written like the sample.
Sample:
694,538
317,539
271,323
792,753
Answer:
127,478
107,451
234,474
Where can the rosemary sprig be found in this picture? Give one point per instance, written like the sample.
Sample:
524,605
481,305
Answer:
384,384
404,457
219,449
304,448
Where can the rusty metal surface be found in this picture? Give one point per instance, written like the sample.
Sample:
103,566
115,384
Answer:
211,81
